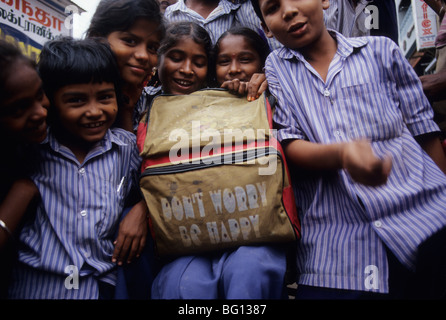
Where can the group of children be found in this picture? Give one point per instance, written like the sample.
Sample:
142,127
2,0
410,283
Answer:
368,167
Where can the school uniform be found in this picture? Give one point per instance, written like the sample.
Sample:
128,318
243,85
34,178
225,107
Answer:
343,17
227,14
66,249
371,92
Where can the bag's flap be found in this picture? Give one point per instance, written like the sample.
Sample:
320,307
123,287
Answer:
204,118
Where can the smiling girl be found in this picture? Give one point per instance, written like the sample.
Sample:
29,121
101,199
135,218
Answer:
184,58
23,112
240,55
133,29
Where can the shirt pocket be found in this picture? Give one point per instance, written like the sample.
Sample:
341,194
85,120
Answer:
107,218
371,110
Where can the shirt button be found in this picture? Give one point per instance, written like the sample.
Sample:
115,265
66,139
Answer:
326,93
82,170
83,213
378,224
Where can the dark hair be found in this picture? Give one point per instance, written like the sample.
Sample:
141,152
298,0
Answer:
120,15
177,30
185,29
253,38
255,5
67,61
9,54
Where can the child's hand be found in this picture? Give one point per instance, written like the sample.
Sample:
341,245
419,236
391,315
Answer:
132,234
236,86
252,89
363,166
256,86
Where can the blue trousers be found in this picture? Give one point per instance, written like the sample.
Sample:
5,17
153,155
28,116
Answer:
250,272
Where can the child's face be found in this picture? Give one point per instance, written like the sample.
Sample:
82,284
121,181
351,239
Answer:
23,111
294,23
236,59
183,68
85,111
136,50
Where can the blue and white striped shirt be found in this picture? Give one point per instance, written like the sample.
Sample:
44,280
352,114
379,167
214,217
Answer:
143,104
371,92
76,223
225,16
341,16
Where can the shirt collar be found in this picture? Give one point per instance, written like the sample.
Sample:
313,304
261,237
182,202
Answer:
346,46
105,144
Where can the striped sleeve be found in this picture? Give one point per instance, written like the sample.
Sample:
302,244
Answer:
415,107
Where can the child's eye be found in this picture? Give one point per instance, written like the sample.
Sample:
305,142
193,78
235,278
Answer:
270,9
223,61
74,100
200,63
175,57
246,60
18,110
40,94
129,41
107,97
153,48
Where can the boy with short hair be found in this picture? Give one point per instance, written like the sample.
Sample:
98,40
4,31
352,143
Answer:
85,176
348,110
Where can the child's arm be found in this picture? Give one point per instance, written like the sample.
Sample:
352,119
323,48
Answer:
132,234
356,157
14,207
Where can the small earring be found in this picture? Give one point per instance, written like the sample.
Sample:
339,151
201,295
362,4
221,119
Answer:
154,70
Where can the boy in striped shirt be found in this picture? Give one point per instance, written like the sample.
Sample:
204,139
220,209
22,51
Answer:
217,16
85,176
369,167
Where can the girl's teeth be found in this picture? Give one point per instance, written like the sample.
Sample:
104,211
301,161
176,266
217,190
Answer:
184,83
94,125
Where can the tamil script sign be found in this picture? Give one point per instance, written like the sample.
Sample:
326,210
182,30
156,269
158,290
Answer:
30,23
